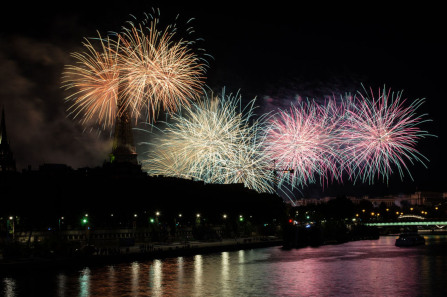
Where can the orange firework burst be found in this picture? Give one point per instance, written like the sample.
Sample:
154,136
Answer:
95,79
158,72
141,69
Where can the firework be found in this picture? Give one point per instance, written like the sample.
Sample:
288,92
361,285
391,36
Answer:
142,69
380,133
158,72
94,80
303,143
214,141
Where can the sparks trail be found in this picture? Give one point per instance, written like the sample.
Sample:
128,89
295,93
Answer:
304,138
380,133
94,82
159,72
213,140
141,69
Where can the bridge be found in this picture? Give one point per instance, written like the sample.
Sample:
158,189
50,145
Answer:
439,224
422,222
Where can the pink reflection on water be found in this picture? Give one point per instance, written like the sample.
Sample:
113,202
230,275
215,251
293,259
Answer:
362,268
346,270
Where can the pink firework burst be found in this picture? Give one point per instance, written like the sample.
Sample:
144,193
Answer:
303,143
380,133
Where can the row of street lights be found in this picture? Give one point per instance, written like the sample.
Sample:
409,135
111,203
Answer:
198,216
85,221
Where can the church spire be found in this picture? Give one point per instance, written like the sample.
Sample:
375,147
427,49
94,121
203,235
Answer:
3,138
7,162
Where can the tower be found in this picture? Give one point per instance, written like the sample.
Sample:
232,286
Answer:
7,162
123,150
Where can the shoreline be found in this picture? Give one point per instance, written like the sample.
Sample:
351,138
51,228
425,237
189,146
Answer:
135,253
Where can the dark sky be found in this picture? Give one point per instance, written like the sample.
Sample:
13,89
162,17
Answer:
272,52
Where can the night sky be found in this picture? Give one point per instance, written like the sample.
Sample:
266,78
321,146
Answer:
273,52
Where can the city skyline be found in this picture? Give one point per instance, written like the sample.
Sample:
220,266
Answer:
256,50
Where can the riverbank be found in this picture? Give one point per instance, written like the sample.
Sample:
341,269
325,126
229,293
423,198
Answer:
141,252
296,236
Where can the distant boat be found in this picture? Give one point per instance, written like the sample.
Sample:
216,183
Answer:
410,239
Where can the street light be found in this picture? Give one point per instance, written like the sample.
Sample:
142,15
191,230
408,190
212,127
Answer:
61,218
11,218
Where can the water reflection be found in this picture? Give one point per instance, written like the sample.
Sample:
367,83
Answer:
111,280
84,282
61,284
156,276
363,268
225,269
9,287
135,268
180,269
198,274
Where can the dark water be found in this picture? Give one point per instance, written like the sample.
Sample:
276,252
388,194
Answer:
361,268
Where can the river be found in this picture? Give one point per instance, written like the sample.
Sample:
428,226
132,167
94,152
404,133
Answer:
359,268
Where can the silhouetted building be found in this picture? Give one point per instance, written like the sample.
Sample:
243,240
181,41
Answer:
7,161
123,159
123,150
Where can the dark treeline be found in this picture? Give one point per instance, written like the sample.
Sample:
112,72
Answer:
41,198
